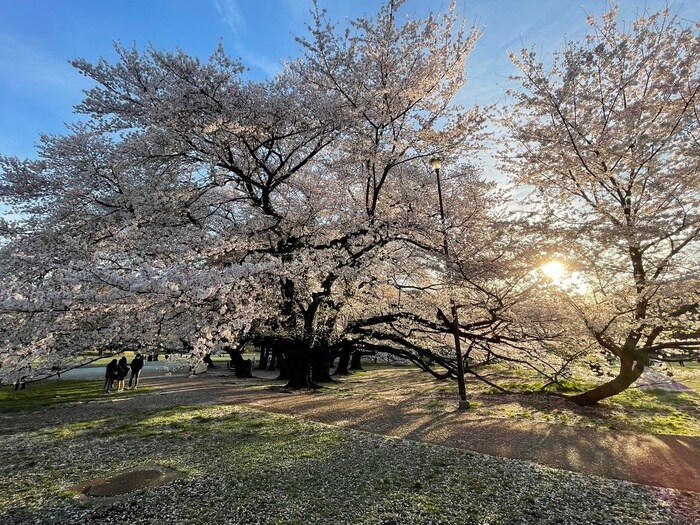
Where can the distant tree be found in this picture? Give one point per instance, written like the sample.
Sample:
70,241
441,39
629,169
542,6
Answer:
607,133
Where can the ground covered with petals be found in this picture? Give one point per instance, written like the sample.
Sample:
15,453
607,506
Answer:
243,466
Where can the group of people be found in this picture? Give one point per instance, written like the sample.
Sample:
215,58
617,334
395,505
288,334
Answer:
118,370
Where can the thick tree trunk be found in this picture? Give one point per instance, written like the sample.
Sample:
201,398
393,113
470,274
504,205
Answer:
356,361
275,360
242,367
630,370
264,357
343,362
320,366
298,354
297,364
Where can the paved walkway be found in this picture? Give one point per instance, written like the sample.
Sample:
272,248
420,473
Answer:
656,460
655,380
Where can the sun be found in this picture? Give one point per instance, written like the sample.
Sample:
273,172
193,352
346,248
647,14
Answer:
554,270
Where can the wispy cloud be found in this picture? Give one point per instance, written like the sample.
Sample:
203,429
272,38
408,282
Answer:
231,13
296,10
42,89
35,73
233,17
269,66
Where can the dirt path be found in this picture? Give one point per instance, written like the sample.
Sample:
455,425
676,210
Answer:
664,461
656,460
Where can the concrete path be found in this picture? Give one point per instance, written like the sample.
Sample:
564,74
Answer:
655,380
151,369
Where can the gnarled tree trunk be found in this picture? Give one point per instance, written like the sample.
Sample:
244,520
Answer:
242,367
631,368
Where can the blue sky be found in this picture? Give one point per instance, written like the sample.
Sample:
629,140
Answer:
38,87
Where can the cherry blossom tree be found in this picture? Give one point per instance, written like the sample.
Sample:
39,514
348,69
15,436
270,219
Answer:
202,207
510,316
92,267
394,83
606,133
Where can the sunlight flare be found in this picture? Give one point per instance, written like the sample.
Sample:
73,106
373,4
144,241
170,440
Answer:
554,270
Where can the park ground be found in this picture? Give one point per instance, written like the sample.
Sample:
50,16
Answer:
384,446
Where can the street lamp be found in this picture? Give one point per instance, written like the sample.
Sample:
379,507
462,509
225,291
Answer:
436,164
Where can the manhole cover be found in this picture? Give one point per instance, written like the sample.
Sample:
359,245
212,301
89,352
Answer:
124,482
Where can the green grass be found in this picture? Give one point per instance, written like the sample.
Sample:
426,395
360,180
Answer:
650,412
656,411
37,396
570,386
693,383
529,385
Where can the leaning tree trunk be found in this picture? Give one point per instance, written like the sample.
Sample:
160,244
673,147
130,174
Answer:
241,366
631,367
632,358
343,362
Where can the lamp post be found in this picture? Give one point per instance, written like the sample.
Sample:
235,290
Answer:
436,164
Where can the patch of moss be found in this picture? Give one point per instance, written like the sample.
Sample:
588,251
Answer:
73,430
567,386
436,404
521,386
674,423
658,412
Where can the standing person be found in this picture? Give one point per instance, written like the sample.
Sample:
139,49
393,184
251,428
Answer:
110,375
136,366
122,371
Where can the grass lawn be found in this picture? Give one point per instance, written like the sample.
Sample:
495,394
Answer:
652,412
49,393
242,466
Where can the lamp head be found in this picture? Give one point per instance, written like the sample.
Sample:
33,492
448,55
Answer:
436,163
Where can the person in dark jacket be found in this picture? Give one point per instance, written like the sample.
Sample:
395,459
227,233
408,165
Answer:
110,375
122,372
136,366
